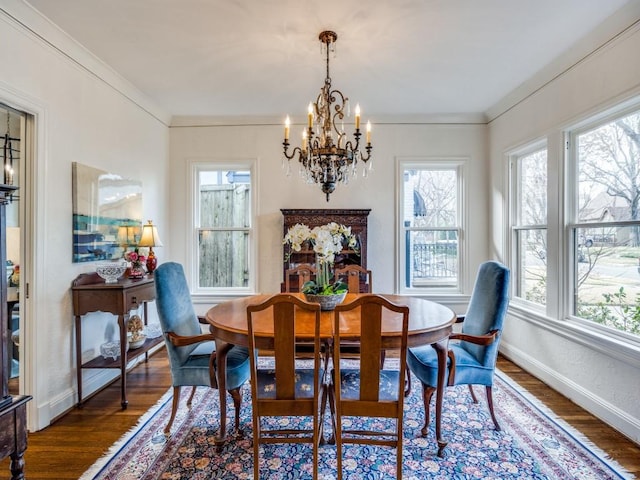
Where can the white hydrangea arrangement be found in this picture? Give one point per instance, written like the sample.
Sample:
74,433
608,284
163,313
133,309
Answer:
327,241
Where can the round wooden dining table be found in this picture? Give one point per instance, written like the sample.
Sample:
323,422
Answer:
429,324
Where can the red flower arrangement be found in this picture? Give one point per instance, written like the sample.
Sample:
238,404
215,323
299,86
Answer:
137,260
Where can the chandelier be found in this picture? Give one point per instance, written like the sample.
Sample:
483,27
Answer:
326,157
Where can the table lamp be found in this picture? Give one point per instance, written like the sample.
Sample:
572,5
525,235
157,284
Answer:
127,235
150,238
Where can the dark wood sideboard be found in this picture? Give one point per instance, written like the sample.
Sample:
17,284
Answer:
91,294
13,409
354,218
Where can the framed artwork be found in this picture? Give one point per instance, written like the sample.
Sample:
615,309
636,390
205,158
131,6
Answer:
107,213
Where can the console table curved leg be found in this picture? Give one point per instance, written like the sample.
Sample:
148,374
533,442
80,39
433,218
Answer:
441,350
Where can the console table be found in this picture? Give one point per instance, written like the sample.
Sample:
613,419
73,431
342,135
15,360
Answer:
91,294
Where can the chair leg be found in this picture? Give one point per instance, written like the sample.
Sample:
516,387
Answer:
256,456
407,384
473,394
490,403
326,354
427,393
174,409
332,409
399,437
236,395
323,407
193,392
337,428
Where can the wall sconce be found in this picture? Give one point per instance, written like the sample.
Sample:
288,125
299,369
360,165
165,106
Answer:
150,238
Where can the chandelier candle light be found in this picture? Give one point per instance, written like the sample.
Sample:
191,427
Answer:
326,156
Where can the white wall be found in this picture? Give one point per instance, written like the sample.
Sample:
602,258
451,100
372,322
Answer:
596,374
220,140
83,113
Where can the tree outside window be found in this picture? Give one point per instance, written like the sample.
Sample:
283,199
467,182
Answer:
530,225
606,223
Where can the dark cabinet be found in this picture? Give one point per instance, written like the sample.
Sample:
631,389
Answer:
356,219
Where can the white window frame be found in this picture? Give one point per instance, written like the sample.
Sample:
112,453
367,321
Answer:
459,165
587,327
515,225
222,293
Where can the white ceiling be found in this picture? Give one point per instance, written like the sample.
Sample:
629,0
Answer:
262,57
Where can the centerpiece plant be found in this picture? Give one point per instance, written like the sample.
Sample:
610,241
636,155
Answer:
326,241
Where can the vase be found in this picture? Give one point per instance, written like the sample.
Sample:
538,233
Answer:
327,302
136,271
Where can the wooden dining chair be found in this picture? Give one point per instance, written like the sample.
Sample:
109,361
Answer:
366,390
357,278
303,273
284,390
295,279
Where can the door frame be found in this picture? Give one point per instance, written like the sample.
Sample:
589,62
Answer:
32,197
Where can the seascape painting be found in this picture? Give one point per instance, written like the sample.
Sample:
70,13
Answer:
107,214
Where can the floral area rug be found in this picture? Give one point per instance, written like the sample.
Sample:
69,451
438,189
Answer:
533,444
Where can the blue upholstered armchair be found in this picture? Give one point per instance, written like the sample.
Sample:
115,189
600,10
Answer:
473,354
192,352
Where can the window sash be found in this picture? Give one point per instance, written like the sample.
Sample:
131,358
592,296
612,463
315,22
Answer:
223,245
602,245
430,253
528,237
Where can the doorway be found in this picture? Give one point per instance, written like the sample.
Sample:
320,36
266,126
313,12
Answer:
12,158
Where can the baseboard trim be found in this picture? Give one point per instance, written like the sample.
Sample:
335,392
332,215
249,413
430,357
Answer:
94,381
597,406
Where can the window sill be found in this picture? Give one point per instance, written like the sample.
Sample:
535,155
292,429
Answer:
215,298
617,346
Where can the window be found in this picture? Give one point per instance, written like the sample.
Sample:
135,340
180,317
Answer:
223,233
529,224
604,224
430,232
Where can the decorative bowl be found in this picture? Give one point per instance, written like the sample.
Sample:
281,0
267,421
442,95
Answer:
138,342
110,349
111,271
327,302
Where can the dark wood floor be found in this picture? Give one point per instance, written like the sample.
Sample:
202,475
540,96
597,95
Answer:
67,448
